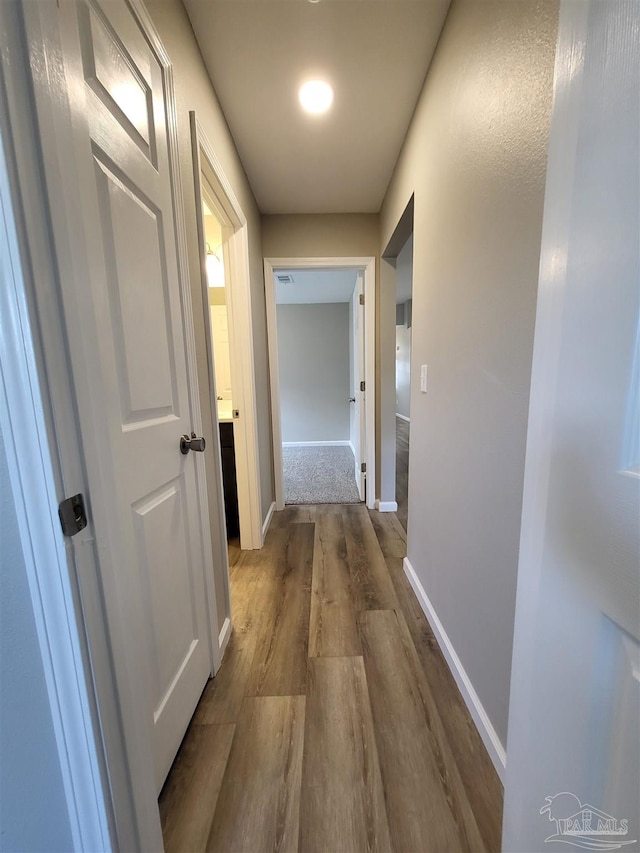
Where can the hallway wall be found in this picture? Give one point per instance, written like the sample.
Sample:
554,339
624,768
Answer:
346,235
194,92
475,158
323,235
313,361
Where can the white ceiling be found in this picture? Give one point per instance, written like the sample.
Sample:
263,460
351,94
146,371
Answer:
312,286
375,53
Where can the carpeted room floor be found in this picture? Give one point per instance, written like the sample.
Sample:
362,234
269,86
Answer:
319,475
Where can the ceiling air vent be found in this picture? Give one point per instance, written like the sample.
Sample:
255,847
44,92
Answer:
284,278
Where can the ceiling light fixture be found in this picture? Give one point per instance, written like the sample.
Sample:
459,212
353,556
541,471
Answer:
316,96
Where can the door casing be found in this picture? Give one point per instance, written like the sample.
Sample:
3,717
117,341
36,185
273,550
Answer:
357,415
114,720
238,294
368,265
574,709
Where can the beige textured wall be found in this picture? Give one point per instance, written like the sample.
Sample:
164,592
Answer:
320,235
195,92
475,157
339,235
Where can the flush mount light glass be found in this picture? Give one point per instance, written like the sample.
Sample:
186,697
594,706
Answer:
316,96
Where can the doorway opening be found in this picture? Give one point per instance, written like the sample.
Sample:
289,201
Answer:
215,248
222,230
321,327
397,263
320,341
404,303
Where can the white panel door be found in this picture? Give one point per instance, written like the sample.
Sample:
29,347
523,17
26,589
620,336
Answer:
133,324
573,756
357,420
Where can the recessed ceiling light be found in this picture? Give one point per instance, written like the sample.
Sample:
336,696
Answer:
316,96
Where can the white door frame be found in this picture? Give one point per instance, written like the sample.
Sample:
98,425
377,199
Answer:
238,297
368,265
357,425
100,688
581,48
36,480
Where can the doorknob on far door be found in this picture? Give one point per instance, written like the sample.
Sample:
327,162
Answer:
191,443
352,399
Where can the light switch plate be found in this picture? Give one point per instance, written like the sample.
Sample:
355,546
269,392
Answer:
423,378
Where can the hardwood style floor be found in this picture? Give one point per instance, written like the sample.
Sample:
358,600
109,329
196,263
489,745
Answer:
334,724
402,469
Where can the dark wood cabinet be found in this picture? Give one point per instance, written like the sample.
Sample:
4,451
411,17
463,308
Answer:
229,480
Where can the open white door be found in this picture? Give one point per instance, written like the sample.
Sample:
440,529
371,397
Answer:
573,767
115,194
357,421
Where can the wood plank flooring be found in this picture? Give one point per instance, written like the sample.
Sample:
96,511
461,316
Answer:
333,627
334,724
342,795
258,807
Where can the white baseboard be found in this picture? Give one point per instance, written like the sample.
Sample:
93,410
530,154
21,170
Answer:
225,634
267,521
403,418
386,506
316,443
480,717
353,450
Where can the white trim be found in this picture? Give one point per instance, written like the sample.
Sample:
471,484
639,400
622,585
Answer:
274,383
148,27
353,450
370,344
50,340
368,265
225,634
117,695
267,521
386,506
49,564
403,417
238,290
317,444
558,220
480,717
